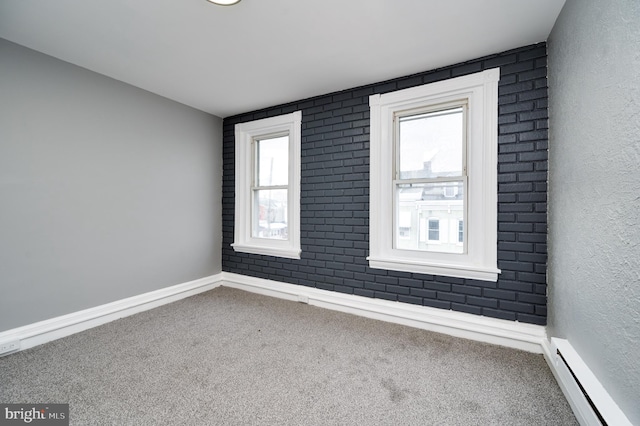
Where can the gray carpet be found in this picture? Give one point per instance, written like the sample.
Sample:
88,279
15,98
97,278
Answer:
229,357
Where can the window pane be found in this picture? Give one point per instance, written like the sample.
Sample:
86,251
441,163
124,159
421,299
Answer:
428,216
434,229
431,144
270,214
272,161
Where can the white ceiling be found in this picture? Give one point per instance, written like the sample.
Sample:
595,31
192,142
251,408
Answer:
227,60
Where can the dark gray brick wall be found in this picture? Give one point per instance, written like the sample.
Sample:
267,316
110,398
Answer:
335,197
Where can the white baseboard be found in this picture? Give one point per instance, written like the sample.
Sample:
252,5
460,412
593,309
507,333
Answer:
527,337
576,379
45,331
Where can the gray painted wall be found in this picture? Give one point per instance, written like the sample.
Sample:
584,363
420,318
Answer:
106,191
594,192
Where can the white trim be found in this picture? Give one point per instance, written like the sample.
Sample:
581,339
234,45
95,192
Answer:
527,337
476,273
522,336
245,133
603,402
267,251
511,334
480,91
55,328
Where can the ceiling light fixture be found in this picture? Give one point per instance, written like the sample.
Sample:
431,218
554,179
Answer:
224,2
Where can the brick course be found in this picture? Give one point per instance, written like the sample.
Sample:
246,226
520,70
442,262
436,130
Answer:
335,197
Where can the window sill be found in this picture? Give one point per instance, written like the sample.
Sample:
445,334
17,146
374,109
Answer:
459,271
268,251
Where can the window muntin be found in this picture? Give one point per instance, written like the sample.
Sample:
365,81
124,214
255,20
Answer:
430,166
393,192
267,185
270,187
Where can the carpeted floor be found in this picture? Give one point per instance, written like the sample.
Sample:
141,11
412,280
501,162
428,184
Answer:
227,357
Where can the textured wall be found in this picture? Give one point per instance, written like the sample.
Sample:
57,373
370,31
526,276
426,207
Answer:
594,194
335,198
106,191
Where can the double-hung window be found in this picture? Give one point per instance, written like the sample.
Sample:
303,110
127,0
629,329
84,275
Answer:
267,205
433,169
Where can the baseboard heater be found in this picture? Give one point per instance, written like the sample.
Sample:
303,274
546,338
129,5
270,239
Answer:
590,402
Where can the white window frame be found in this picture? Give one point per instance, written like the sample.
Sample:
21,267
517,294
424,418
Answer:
479,261
246,134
